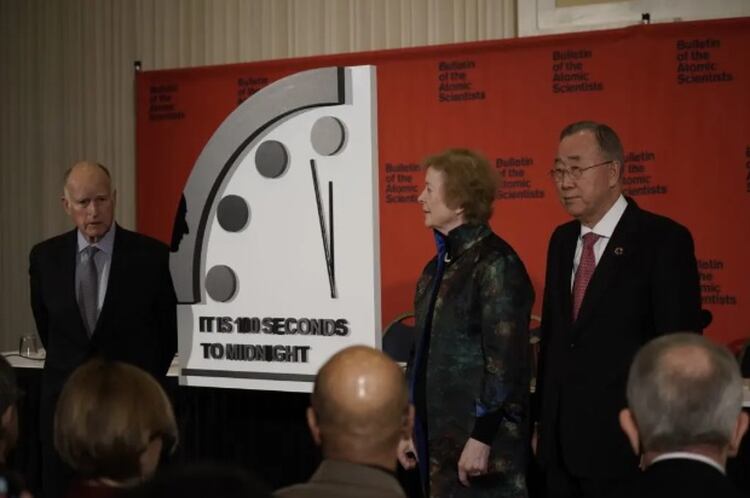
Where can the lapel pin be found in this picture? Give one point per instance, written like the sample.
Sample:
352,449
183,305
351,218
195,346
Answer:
619,251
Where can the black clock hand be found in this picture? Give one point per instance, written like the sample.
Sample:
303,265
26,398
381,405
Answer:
332,261
327,244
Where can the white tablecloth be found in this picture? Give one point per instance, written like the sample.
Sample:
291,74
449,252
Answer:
18,361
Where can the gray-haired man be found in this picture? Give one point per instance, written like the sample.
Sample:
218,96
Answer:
685,415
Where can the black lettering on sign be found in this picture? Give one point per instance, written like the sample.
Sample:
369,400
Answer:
513,183
712,292
695,62
256,352
569,74
455,83
163,103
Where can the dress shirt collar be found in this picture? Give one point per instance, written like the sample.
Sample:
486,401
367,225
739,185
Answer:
607,224
689,456
104,244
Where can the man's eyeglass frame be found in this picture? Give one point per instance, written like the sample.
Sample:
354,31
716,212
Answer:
558,174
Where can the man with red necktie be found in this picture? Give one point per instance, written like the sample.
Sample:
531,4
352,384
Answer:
616,277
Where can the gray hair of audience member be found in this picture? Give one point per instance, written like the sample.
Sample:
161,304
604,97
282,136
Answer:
606,138
9,392
684,391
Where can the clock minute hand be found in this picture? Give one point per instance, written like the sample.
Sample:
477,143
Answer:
327,243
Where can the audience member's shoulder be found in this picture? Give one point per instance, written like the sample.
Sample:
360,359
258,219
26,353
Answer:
320,490
293,491
682,478
200,480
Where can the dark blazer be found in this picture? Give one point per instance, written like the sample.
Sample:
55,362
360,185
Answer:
336,478
645,285
137,323
680,477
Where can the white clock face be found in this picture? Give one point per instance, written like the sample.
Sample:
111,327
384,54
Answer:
289,248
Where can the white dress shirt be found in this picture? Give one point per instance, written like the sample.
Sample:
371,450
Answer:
102,260
604,229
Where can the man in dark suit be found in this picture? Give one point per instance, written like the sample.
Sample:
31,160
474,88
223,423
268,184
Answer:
360,413
616,277
685,414
98,290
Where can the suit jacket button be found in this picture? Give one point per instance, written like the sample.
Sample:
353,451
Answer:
572,345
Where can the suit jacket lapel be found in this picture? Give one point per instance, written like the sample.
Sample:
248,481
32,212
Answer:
67,265
567,253
619,248
116,267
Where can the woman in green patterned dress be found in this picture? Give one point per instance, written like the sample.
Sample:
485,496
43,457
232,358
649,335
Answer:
469,375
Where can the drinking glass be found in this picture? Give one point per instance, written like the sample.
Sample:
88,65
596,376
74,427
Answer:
28,346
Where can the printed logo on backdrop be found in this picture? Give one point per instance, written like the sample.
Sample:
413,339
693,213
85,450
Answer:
710,272
641,175
570,72
696,62
400,183
248,86
456,82
514,182
162,103
275,243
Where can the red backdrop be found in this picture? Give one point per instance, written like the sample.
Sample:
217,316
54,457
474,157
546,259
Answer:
678,95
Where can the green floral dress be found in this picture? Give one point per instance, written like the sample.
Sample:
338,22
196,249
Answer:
473,378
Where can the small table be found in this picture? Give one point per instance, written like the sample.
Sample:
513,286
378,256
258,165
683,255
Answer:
37,361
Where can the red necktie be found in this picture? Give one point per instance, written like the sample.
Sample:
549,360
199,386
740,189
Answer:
584,271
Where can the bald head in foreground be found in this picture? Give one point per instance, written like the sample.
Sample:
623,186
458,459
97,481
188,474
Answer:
685,415
359,413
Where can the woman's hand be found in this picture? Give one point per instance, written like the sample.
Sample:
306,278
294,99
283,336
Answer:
407,455
473,461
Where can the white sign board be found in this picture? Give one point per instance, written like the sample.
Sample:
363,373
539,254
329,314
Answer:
278,265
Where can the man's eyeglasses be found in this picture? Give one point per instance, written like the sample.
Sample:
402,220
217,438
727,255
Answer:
560,170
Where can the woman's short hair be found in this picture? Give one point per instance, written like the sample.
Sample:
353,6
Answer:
468,182
107,415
